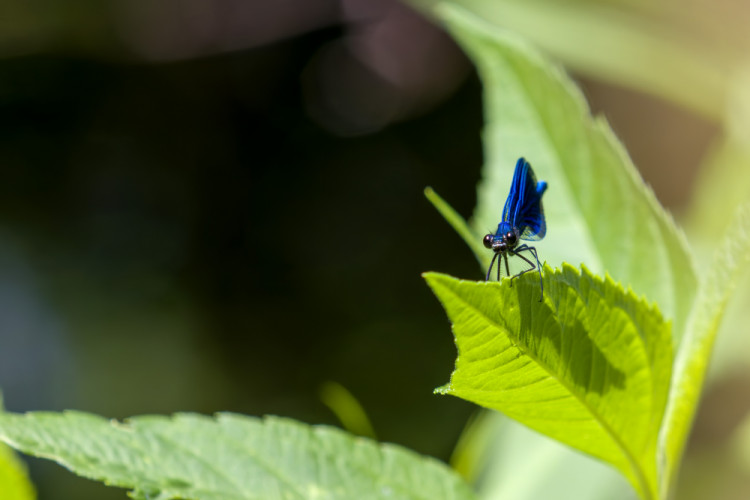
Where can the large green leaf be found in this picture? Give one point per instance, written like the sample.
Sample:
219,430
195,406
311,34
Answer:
599,212
731,259
230,457
649,52
589,366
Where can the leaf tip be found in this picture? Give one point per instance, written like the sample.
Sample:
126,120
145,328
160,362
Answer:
443,390
434,277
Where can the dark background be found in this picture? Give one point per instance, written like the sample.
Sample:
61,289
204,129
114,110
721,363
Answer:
226,226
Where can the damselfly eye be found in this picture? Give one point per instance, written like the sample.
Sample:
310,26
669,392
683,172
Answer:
487,241
510,238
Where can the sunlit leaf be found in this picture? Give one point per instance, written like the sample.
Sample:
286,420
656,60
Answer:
229,457
599,211
589,366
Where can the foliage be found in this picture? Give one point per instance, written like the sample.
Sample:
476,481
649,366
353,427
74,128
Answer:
603,214
590,366
612,362
229,457
629,44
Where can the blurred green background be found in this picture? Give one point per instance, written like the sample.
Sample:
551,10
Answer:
212,206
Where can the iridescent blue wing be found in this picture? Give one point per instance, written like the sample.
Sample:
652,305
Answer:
513,196
523,208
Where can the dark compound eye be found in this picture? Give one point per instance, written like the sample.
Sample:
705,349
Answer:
487,241
510,237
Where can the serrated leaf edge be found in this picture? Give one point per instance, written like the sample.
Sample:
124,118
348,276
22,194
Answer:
645,486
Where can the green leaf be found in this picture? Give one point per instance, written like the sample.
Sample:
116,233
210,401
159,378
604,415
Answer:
731,259
589,366
229,457
599,212
470,237
626,47
347,409
14,480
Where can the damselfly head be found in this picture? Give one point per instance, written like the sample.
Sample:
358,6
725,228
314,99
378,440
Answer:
495,243
487,241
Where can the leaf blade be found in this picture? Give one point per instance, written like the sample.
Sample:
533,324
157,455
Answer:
589,366
229,457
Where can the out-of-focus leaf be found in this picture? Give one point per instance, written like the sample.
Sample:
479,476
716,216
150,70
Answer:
589,366
731,259
348,410
606,43
229,457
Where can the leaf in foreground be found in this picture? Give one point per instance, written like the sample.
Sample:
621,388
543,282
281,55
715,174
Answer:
590,366
229,457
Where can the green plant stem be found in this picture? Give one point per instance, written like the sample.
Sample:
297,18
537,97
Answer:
459,225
